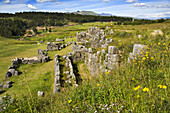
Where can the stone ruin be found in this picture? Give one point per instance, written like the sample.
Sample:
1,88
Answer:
40,58
94,37
137,49
51,46
63,76
57,80
78,52
56,46
12,71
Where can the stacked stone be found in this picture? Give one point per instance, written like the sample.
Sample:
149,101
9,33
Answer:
13,68
42,56
78,52
95,36
56,46
137,49
71,78
51,46
94,62
112,58
57,80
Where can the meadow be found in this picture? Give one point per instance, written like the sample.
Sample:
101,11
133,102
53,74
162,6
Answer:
141,86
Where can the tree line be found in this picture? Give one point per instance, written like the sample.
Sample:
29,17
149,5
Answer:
16,24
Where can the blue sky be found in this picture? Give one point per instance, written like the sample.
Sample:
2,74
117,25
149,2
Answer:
151,9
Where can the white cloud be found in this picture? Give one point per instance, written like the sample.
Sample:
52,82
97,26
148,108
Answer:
106,0
131,1
41,1
7,1
31,7
67,9
155,15
140,5
58,3
151,6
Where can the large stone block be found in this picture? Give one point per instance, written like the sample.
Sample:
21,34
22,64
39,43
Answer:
112,50
138,48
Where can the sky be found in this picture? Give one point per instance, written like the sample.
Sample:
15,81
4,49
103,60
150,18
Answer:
148,9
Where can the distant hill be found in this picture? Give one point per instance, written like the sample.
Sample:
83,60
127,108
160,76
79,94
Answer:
86,13
91,13
105,14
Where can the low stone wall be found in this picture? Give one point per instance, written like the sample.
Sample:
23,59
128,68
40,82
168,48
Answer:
57,80
56,46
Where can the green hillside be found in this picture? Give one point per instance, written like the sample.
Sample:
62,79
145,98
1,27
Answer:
142,86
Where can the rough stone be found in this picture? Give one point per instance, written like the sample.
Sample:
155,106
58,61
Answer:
40,93
6,86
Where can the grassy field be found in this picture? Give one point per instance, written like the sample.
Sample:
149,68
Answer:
142,86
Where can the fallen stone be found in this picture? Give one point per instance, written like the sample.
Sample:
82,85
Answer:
6,86
40,93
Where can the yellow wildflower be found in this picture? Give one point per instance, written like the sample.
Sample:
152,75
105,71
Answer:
136,88
98,84
167,48
145,89
159,43
163,98
164,87
144,58
146,52
165,51
16,110
74,105
69,101
138,96
133,78
152,58
163,43
107,73
160,86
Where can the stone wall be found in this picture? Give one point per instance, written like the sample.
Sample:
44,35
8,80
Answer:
57,80
56,46
95,37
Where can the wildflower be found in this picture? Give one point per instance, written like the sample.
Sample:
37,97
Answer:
164,87
98,84
152,58
107,73
69,101
74,105
133,78
145,89
163,98
160,86
138,96
144,58
163,43
16,110
159,43
146,52
136,88
160,71
165,51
